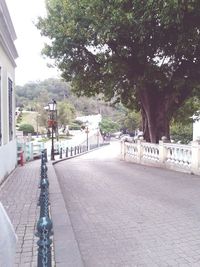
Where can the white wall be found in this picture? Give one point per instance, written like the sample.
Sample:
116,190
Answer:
8,156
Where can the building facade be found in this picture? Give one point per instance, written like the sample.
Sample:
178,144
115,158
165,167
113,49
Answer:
8,54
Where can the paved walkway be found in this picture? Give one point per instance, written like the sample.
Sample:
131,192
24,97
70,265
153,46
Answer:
125,214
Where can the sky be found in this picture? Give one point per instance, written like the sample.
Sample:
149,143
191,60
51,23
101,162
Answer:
31,65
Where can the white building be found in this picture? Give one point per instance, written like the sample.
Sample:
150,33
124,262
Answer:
8,54
92,120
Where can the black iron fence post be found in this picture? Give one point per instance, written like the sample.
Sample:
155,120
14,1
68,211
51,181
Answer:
67,152
61,153
44,225
44,228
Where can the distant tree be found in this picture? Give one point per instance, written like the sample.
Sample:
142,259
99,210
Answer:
56,89
107,125
130,121
41,102
66,113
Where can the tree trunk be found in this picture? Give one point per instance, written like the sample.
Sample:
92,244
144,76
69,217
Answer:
156,114
157,109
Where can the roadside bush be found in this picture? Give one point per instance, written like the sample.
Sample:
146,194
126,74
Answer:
74,126
26,128
181,133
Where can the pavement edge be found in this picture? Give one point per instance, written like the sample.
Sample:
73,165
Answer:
66,248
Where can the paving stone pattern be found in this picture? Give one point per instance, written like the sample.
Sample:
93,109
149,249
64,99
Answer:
19,196
128,215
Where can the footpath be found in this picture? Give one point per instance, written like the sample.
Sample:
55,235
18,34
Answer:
19,195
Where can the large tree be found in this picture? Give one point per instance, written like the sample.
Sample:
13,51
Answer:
144,53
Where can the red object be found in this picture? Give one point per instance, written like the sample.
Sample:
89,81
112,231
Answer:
22,158
51,123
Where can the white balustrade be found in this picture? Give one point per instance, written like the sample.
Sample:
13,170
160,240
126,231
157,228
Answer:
179,155
131,150
150,151
174,156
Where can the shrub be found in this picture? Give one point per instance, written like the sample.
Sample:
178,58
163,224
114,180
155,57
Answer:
26,128
74,126
181,133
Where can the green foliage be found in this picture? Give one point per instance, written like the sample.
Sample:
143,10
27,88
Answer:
131,121
56,89
26,128
66,113
142,53
80,123
190,108
107,125
74,126
181,133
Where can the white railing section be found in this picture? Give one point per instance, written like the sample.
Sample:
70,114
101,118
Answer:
179,157
131,150
150,151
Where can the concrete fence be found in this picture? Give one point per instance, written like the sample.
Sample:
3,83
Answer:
185,158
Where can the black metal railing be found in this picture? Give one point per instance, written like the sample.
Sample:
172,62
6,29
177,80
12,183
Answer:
72,151
44,225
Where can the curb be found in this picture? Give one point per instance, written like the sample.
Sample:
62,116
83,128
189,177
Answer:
66,250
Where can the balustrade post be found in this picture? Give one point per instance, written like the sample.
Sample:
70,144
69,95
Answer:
122,150
139,150
195,162
162,150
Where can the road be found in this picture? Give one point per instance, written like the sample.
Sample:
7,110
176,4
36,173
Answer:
125,214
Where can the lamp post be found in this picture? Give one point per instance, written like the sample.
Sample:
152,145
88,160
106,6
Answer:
52,124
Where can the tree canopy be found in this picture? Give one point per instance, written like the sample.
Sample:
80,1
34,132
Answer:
143,53
66,113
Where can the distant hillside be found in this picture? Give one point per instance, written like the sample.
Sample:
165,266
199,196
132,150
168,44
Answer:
28,95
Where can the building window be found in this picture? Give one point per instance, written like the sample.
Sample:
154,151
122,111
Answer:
10,108
0,111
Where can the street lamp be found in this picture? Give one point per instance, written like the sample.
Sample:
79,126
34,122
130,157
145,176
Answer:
52,123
